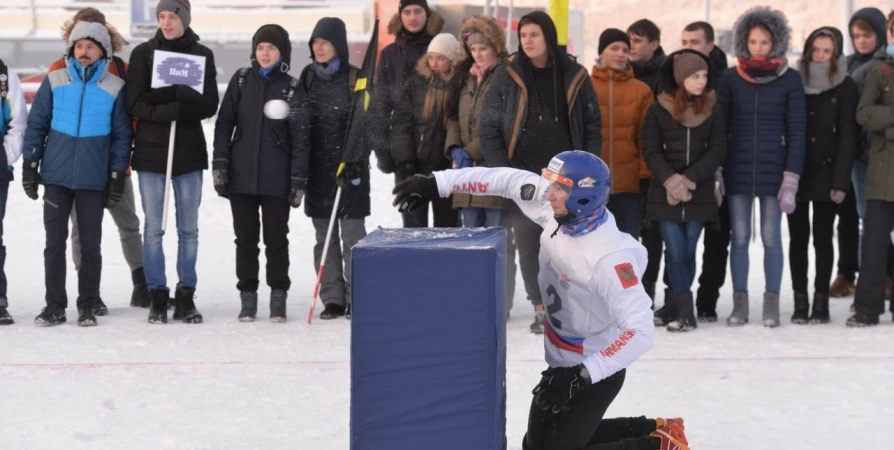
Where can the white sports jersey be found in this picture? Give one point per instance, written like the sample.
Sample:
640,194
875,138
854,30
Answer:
597,312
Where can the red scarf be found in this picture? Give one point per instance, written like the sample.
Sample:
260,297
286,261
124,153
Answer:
751,68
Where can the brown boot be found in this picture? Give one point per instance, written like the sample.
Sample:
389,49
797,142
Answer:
841,287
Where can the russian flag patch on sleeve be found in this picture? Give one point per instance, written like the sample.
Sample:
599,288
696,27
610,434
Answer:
626,275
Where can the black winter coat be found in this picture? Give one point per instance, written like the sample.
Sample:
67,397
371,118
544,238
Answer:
155,109
506,108
263,154
649,71
328,107
415,140
833,141
718,64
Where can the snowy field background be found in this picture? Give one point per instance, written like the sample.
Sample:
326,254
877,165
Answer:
229,385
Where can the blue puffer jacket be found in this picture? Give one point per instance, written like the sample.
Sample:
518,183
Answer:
766,124
79,130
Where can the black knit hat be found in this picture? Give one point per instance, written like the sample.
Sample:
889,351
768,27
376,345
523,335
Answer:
276,35
404,3
610,36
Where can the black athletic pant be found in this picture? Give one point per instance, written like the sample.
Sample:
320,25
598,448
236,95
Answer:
247,225
527,241
714,261
442,210
877,225
800,230
581,425
848,238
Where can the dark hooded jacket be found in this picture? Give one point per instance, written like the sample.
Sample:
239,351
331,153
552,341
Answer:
718,64
155,109
860,66
649,71
833,136
329,107
263,154
396,63
694,148
766,117
504,131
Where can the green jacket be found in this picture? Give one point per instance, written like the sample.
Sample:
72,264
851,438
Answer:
875,113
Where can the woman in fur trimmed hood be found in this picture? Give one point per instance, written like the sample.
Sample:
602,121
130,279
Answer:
684,142
413,27
419,126
766,121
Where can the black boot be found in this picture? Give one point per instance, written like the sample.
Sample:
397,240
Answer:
278,305
820,312
802,309
140,297
331,311
5,318
87,312
249,306
667,313
685,320
706,306
860,320
100,308
185,309
158,308
52,314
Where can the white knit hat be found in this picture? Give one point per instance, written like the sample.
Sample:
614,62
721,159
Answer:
447,45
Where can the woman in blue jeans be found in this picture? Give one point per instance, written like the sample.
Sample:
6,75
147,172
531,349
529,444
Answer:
766,119
684,143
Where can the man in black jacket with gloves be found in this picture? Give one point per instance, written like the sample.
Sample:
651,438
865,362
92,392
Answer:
155,110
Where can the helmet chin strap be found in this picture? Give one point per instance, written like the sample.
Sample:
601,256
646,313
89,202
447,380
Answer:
561,220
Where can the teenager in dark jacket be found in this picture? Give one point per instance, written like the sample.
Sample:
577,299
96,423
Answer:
260,163
868,36
329,84
156,109
832,142
699,36
413,28
540,104
764,103
419,129
684,142
874,114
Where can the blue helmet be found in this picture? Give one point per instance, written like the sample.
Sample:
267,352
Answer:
585,177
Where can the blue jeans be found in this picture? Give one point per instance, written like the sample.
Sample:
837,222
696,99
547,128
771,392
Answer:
4,191
680,242
771,235
187,198
480,217
628,211
858,178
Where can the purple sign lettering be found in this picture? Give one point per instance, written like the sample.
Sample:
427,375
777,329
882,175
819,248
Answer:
174,70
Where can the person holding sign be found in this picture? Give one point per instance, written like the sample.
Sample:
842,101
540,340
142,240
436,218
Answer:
78,136
171,83
263,166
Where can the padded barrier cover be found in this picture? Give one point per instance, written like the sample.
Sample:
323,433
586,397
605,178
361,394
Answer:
428,340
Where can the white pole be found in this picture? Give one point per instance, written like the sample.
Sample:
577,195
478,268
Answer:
164,215
847,9
488,8
509,22
706,8
332,219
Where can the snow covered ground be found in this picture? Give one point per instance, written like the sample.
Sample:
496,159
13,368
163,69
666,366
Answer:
228,385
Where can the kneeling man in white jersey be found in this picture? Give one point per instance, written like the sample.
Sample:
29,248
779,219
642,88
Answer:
598,316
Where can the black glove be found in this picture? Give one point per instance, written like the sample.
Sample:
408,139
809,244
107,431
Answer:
30,177
297,192
350,176
559,385
406,170
115,188
219,168
162,95
414,191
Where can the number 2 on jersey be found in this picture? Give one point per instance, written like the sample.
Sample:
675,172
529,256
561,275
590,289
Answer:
555,307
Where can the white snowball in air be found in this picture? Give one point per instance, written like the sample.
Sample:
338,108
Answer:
276,109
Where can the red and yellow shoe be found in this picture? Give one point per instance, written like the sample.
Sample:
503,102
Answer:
661,423
672,437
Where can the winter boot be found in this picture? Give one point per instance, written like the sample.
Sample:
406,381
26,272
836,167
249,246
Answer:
5,318
100,308
158,308
672,437
860,320
842,287
739,315
771,310
661,423
185,309
278,305
537,324
802,309
249,306
140,297
706,306
820,312
52,314
87,312
331,311
667,313
685,320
